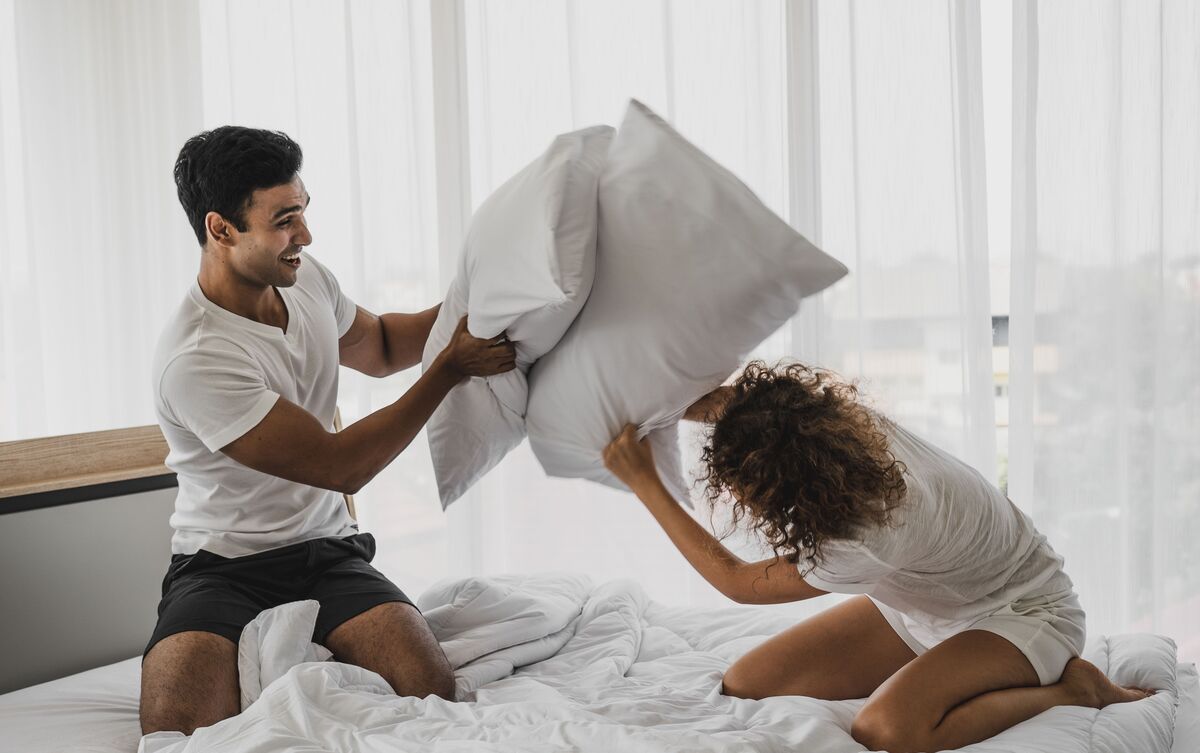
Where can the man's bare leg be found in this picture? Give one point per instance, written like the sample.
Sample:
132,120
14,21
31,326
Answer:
189,680
395,641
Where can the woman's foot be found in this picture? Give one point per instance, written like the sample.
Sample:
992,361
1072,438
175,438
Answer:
1089,687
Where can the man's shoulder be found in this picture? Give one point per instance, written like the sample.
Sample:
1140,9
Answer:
192,340
180,330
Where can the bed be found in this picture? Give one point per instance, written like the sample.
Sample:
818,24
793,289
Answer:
623,672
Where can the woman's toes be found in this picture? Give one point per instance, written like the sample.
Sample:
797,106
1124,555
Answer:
1136,694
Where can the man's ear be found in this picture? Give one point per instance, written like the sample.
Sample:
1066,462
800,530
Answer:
220,230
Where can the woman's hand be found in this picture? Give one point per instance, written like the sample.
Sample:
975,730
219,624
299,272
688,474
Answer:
630,460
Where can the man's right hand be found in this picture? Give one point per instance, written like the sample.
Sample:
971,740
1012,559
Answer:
468,356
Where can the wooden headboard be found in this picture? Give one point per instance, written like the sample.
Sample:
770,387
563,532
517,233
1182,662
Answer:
37,468
77,467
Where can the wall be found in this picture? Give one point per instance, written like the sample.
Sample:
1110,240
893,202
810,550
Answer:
79,584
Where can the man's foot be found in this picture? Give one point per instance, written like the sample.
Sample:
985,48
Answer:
1089,687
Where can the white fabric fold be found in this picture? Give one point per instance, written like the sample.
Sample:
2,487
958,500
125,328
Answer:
487,626
274,642
490,626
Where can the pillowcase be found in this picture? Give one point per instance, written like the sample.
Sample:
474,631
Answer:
693,271
526,268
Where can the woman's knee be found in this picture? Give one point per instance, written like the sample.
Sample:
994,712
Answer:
739,682
755,682
877,727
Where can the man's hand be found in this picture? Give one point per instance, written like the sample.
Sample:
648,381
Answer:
631,460
710,407
468,356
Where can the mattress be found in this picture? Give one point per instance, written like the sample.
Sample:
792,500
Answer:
97,711
91,712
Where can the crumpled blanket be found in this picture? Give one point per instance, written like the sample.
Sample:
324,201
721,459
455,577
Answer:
629,675
487,626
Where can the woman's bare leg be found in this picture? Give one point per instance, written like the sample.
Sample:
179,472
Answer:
844,652
968,688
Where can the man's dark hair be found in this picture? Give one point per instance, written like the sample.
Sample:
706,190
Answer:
218,170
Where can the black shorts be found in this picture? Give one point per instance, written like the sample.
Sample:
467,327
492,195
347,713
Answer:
204,591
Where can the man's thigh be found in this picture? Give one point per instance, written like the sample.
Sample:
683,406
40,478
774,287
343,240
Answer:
189,667
394,640
366,620
345,583
189,680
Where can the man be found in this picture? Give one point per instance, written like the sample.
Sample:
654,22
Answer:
246,376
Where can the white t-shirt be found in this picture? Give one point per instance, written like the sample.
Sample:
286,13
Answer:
216,375
956,551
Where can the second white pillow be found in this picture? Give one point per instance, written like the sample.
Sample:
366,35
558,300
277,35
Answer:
526,268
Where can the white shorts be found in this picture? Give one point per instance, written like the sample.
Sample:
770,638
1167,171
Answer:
1048,629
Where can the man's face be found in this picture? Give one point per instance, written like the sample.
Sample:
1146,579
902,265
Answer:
268,251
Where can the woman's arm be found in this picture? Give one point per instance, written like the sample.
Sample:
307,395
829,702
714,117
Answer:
771,581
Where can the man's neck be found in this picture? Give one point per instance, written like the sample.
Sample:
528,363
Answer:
259,303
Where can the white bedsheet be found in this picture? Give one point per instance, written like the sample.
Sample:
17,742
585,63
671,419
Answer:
91,712
96,711
631,676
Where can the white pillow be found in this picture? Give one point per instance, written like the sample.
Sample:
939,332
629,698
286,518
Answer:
526,268
692,273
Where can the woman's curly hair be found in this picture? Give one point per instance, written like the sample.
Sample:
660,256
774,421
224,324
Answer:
802,459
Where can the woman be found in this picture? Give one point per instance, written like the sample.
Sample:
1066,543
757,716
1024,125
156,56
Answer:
964,622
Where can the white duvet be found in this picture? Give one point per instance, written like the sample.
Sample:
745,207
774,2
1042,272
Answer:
551,663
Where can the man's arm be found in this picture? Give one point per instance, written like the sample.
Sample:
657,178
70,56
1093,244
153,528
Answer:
292,444
382,345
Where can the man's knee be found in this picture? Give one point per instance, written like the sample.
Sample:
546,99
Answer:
434,681
189,680
421,671
394,640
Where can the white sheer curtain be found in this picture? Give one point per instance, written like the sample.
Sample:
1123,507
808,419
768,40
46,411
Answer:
902,199
1106,303
95,101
